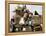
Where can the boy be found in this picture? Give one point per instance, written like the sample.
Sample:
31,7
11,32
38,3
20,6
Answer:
30,21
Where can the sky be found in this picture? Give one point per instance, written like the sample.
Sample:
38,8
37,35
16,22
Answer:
31,8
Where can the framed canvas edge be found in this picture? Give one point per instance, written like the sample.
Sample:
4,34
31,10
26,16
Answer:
7,14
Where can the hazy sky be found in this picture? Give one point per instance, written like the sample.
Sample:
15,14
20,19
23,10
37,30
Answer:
31,8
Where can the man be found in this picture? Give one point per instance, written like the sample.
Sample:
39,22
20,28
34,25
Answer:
12,24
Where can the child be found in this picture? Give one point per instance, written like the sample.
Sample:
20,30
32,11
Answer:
30,21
